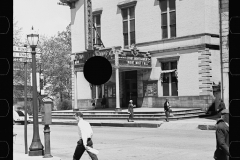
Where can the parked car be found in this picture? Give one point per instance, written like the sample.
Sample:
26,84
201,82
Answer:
19,117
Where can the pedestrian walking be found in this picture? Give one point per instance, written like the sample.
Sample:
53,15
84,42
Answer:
167,109
103,102
130,111
222,137
85,138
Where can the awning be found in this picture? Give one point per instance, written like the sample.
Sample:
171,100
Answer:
168,71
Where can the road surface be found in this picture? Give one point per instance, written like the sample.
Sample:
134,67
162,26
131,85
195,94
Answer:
123,143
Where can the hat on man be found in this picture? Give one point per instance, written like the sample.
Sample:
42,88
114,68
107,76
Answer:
130,101
225,111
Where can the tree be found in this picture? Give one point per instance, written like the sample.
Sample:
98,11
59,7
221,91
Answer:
56,63
17,33
18,68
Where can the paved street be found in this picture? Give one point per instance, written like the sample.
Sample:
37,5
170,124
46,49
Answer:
120,143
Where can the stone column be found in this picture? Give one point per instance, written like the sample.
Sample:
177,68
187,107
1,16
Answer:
117,82
75,90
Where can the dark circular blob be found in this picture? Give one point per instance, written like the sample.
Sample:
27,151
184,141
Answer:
97,70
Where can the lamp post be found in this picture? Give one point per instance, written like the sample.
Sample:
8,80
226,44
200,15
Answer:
36,148
25,103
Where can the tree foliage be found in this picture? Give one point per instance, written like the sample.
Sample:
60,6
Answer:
17,33
56,63
18,68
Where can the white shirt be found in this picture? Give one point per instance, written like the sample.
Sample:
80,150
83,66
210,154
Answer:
85,131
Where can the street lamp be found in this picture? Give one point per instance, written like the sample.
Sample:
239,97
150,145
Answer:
36,148
25,102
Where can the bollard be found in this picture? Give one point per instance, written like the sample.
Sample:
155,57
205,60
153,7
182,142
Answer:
47,153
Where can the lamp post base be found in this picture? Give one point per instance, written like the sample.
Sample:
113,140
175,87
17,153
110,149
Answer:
36,153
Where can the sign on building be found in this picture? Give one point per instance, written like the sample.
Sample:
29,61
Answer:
126,58
88,24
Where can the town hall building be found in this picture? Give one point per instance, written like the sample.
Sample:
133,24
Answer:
158,49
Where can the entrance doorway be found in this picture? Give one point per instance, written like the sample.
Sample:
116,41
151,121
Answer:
130,87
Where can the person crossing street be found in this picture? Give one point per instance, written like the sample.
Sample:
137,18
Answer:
85,138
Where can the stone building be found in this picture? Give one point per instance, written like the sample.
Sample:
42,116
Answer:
158,49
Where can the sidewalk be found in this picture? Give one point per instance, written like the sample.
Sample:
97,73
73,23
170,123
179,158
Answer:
185,124
22,156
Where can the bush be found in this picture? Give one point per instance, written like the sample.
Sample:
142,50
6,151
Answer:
64,105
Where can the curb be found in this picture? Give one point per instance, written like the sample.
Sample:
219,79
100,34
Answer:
140,125
145,125
207,127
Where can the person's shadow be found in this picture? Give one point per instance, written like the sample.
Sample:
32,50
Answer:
211,113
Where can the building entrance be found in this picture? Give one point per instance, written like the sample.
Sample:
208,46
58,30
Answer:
130,87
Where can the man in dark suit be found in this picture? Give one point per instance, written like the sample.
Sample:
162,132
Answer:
222,136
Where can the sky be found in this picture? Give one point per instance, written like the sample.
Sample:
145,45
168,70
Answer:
46,16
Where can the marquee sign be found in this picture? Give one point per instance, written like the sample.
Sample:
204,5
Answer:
126,58
88,24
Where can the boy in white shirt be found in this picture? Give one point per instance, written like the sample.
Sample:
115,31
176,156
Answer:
85,138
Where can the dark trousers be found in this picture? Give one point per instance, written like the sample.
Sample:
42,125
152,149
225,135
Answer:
80,150
167,114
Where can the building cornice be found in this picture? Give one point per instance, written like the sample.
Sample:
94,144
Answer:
175,38
202,46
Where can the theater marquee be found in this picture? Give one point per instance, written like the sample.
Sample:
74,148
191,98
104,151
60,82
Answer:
126,58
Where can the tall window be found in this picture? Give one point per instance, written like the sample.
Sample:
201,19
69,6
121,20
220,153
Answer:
97,24
168,15
170,83
128,15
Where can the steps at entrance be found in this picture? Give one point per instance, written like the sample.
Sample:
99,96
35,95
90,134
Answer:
138,115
